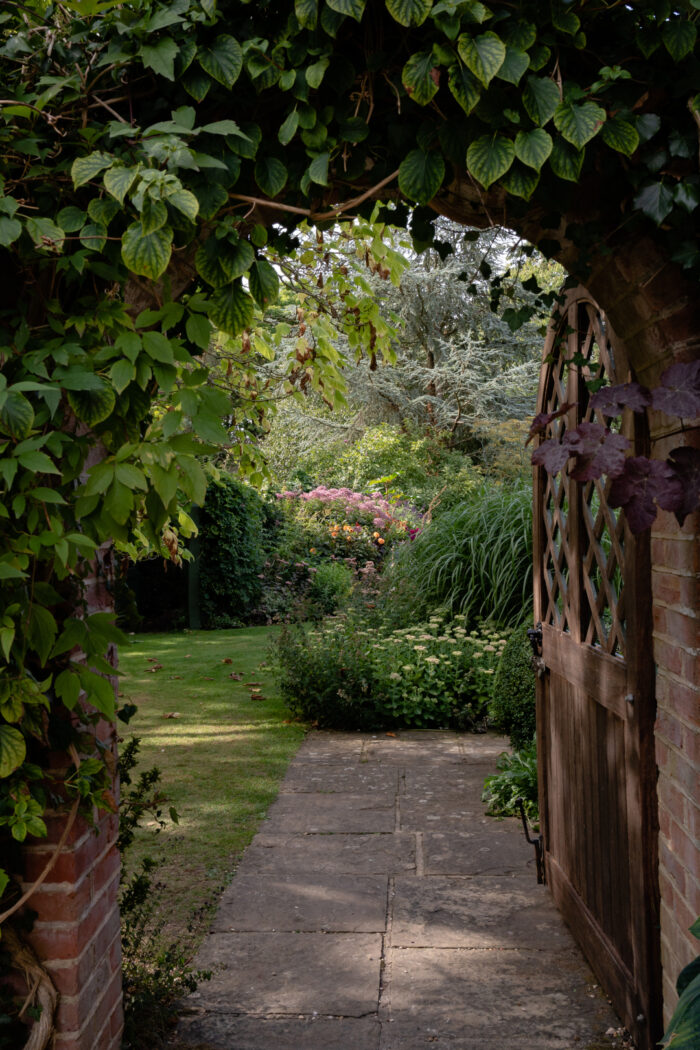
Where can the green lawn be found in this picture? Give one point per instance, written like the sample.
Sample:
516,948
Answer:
222,754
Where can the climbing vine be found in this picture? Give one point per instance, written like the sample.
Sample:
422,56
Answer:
152,155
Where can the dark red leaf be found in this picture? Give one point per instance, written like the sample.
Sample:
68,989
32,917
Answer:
543,419
598,451
551,455
611,400
643,484
685,463
679,393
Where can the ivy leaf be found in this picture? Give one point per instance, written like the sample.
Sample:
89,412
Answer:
611,400
121,374
679,392
158,347
10,230
198,330
318,169
352,8
231,309
144,253
565,161
533,147
655,200
42,631
93,406
263,283
514,65
46,234
685,463
197,85
306,12
13,750
687,195
223,61
38,462
85,168
99,691
620,135
16,416
119,180
220,262
520,181
419,79
597,450
543,419
551,455
484,55
270,175
71,218
421,175
315,73
679,38
579,123
642,485
490,157
409,12
289,128
464,86
565,21
160,57
541,98
154,214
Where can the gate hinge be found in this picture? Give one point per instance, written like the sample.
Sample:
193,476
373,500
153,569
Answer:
538,843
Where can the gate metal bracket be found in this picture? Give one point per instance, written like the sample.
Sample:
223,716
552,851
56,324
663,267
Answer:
538,843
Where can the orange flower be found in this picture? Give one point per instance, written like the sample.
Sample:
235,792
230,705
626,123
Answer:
376,536
380,540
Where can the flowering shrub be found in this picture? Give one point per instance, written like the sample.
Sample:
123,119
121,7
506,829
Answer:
353,674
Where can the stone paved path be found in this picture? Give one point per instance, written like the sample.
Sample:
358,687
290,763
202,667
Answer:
378,908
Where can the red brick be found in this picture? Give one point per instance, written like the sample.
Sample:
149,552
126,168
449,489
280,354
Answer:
669,728
72,863
672,865
668,656
67,940
683,628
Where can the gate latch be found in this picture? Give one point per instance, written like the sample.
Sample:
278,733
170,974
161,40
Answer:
534,636
538,843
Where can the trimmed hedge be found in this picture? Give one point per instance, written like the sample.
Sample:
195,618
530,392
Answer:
512,708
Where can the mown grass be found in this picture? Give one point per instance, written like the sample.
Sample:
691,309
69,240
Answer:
222,754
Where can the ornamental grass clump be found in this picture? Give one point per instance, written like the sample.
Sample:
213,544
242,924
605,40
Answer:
351,673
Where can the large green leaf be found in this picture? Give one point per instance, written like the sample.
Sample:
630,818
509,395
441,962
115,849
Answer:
683,1032
185,202
46,234
71,218
514,65
464,86
679,38
620,135
579,122
264,283
418,79
16,416
484,55
352,8
541,98
533,147
85,168
10,230
93,406
421,175
520,181
118,180
270,175
223,61
306,12
231,309
490,157
13,750
565,161
220,262
154,214
160,57
41,631
318,169
655,200
289,128
147,254
409,12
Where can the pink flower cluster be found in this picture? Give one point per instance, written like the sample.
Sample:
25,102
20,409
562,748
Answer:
381,511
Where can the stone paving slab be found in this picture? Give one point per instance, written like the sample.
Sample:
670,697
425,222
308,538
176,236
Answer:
511,997
342,854
463,778
451,813
230,1032
423,750
321,746
304,902
493,912
319,813
355,778
495,848
299,973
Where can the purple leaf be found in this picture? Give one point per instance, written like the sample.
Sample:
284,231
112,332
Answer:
642,484
551,455
598,451
543,419
685,463
611,400
679,393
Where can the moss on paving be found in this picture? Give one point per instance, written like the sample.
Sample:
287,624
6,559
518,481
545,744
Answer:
222,754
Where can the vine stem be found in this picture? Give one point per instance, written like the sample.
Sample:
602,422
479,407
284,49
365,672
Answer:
334,213
54,856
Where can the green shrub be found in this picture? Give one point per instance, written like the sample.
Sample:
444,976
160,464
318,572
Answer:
475,559
516,778
330,585
353,673
512,708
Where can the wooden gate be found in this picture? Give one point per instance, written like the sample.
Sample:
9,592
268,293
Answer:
595,703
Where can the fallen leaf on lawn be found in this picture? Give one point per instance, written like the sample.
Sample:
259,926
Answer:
208,678
253,683
173,677
172,714
227,660
152,670
188,656
235,676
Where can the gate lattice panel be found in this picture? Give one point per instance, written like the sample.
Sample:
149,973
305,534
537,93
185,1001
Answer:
595,701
